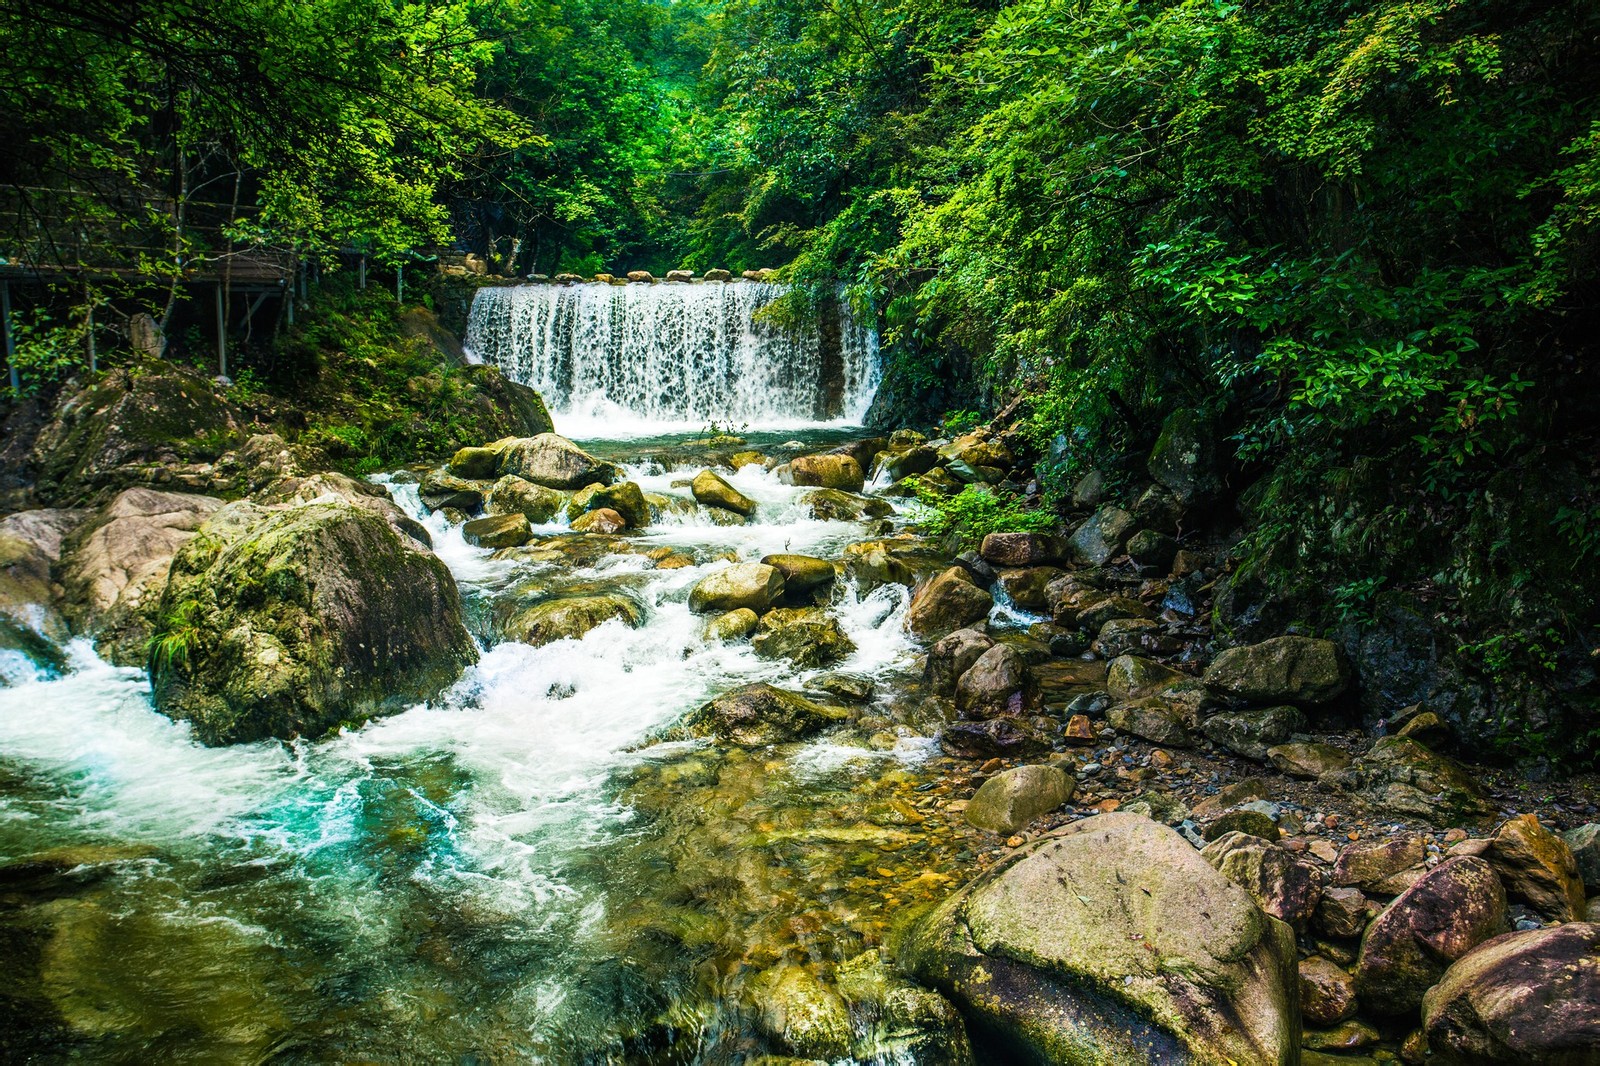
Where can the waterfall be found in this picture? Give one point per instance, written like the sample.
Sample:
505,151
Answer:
683,354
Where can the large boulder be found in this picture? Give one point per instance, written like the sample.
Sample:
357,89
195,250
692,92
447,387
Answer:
713,491
114,569
947,603
440,489
998,682
1585,844
1186,459
497,531
1152,718
626,498
753,585
553,461
837,505
1005,737
1450,910
1531,998
1022,549
1300,670
824,471
281,623
1112,940
154,423
1537,866
301,488
1012,798
1133,677
570,618
754,716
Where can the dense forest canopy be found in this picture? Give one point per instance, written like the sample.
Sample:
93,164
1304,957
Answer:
1340,231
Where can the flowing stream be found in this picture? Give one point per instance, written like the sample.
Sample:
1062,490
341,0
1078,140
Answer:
639,359
516,873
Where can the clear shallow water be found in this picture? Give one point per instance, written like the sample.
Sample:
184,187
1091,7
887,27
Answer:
512,874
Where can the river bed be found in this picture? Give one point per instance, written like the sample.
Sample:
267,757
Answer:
518,872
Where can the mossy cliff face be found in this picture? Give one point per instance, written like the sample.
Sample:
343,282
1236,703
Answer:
282,623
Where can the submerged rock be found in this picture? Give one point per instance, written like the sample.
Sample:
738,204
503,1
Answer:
1112,940
733,625
756,715
280,623
800,1013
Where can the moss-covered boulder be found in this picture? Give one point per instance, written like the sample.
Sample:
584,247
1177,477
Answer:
753,585
570,618
754,716
513,495
1299,670
555,462
714,491
807,639
497,531
153,423
1112,940
1186,458
1011,799
803,1015
836,505
801,573
623,497
282,623
440,489
1401,776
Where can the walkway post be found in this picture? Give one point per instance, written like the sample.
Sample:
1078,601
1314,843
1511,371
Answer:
222,337
5,328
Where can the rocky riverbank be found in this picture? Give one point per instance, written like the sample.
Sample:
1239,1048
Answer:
1061,817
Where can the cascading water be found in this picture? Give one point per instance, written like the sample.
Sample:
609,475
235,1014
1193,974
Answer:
674,355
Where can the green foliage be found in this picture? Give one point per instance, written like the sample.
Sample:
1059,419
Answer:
956,423
46,350
176,637
975,512
1524,651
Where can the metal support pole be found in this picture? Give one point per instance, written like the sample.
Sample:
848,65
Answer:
361,272
94,363
5,328
400,284
222,337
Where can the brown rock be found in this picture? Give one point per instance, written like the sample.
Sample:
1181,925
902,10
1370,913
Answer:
826,471
1281,885
602,520
951,656
997,683
1026,585
1021,549
1455,907
947,603
1327,993
498,531
1531,998
1538,866
1308,760
1368,863
1079,731
1342,913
